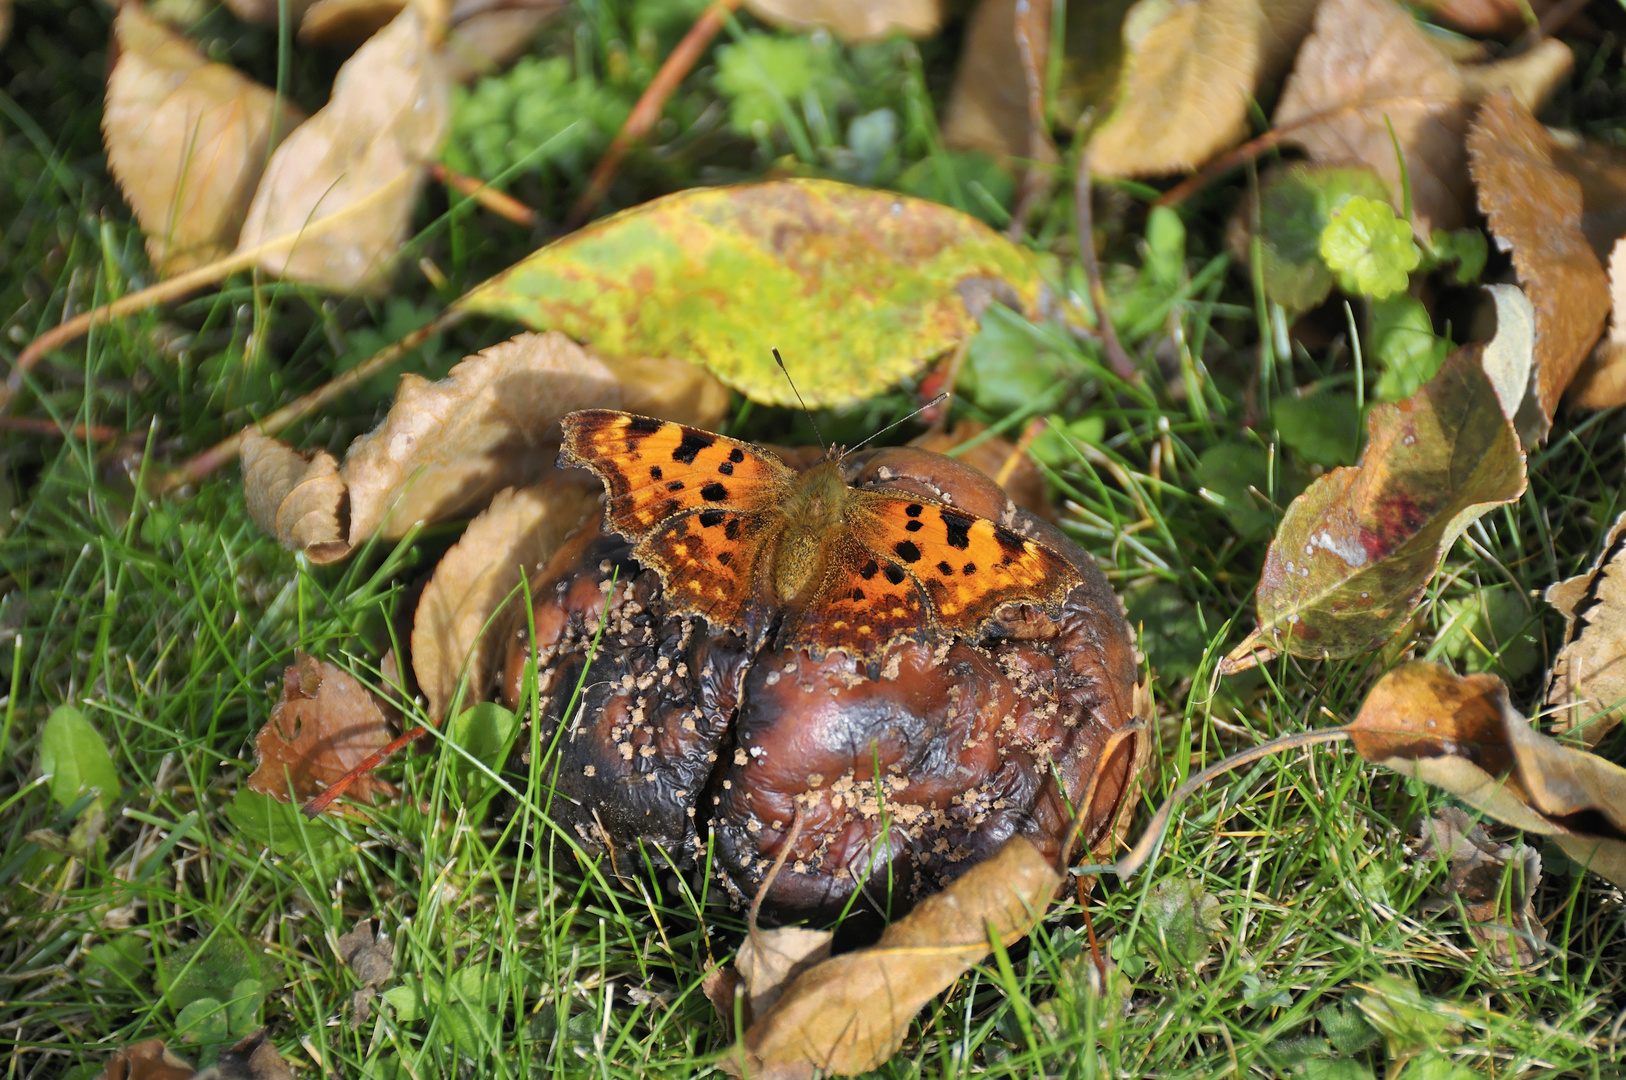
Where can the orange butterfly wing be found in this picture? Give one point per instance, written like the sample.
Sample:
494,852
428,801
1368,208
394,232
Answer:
965,566
694,503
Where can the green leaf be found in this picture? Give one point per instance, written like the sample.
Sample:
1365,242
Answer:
73,755
1235,477
269,822
1185,917
486,731
1323,428
1465,247
859,288
763,73
1294,207
1346,1029
203,1020
1409,1022
1006,367
1403,341
1355,551
1370,249
1170,633
1492,629
124,960
243,1007
214,967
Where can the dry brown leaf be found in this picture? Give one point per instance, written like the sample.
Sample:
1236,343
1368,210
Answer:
1191,72
372,960
1588,680
721,984
849,1014
853,20
254,1058
1503,18
453,624
149,1060
1462,735
1369,65
1600,169
359,162
1477,865
324,725
265,12
485,34
769,960
988,106
301,501
1534,208
186,140
492,423
670,389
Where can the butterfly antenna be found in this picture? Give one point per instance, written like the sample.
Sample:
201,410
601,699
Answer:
780,360
938,400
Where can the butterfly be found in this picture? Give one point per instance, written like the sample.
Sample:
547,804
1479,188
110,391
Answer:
802,558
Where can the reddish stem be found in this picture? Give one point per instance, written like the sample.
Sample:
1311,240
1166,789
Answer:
648,109
500,203
36,425
372,761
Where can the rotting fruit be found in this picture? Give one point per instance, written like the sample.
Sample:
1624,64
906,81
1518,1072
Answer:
905,772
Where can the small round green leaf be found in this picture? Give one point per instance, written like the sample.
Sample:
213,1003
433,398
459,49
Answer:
73,755
1370,249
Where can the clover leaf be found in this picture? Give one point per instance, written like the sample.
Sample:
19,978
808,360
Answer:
1370,250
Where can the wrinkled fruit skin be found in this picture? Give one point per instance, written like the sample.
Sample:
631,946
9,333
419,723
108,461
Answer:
906,775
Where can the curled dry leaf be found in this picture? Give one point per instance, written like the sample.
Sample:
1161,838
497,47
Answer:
254,1058
1191,72
324,725
861,287
484,34
853,20
300,500
372,960
1587,686
346,180
1355,551
1600,383
769,960
454,623
988,108
442,450
187,141
149,1060
1476,866
1461,735
850,1013
1534,208
1368,66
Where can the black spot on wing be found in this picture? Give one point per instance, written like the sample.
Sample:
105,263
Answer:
736,455
915,526
726,468
957,528
913,509
714,492
869,570
1009,542
858,594
907,551
725,557
732,529
969,569
693,442
708,518
674,485
894,574
644,425
655,472
945,569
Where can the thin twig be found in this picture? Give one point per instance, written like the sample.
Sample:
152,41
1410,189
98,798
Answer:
226,450
1150,840
498,202
773,873
1036,178
39,425
648,109
372,761
1082,195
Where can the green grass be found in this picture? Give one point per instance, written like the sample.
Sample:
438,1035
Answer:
168,623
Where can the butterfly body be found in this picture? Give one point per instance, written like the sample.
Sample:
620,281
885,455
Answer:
803,558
